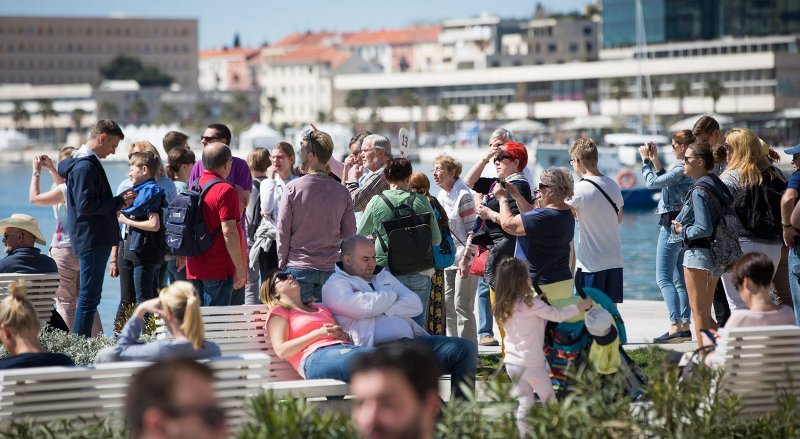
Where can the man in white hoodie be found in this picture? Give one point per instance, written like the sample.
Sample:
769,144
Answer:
375,308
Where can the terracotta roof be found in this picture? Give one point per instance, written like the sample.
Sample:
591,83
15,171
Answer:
407,35
324,54
304,39
216,53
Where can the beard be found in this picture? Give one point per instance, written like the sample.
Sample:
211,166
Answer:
412,430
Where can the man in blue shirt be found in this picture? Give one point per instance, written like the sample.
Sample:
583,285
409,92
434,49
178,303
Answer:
790,234
20,233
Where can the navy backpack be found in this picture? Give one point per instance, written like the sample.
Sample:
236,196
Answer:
187,233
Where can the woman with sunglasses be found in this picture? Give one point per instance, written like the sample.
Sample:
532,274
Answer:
674,185
694,225
544,234
306,334
749,172
510,159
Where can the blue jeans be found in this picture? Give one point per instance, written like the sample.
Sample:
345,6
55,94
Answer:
172,274
145,282
93,270
332,361
459,358
311,282
794,279
421,286
485,319
669,276
215,292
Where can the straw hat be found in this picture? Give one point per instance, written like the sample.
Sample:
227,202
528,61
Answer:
24,222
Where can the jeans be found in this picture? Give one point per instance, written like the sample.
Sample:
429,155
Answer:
794,279
420,284
332,361
172,274
669,276
215,292
485,319
458,356
459,303
145,282
311,282
608,281
93,270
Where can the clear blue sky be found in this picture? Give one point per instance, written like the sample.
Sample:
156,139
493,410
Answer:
258,21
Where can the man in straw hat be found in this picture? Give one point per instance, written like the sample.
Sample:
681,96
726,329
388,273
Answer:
20,233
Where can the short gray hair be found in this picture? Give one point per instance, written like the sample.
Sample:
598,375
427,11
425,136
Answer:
560,180
380,142
504,133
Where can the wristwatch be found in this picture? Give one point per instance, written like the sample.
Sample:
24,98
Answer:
36,173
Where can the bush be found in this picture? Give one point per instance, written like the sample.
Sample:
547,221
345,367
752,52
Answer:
82,350
67,429
293,418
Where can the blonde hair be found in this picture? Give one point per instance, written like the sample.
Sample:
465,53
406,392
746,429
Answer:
145,146
182,300
585,150
17,313
450,164
511,286
267,293
258,160
746,154
560,181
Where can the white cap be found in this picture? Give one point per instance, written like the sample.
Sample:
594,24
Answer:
600,324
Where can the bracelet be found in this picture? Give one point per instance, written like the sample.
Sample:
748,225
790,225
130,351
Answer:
786,226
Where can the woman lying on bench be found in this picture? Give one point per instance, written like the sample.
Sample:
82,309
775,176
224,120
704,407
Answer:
306,335
179,306
19,333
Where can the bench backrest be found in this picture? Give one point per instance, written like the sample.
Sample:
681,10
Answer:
757,361
49,393
41,290
240,329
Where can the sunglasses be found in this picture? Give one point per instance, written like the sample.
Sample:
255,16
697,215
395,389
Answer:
503,157
280,276
208,138
213,416
542,186
727,146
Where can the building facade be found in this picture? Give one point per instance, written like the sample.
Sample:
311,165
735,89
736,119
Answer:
228,69
48,50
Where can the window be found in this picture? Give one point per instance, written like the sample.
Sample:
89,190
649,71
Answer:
587,30
551,48
573,47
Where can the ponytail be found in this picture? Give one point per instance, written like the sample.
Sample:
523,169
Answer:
183,302
16,312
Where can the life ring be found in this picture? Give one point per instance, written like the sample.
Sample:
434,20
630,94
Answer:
625,179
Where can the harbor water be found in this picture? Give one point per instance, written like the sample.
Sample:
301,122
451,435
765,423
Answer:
639,233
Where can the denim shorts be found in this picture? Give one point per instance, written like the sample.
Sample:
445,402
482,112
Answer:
699,258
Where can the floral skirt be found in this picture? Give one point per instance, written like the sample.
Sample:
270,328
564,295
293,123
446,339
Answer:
436,319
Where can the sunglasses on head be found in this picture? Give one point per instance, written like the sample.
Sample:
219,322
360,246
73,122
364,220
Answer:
213,416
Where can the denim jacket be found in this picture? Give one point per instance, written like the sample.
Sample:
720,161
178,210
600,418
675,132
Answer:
674,186
701,210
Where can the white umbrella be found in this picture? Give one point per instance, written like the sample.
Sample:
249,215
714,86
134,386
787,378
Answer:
525,125
688,123
259,136
588,123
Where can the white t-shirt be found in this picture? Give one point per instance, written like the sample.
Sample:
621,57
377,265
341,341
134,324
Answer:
392,328
599,245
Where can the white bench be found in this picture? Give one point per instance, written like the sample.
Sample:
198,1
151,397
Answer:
50,393
756,362
41,291
242,329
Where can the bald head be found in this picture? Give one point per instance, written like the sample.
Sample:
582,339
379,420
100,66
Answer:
358,257
216,157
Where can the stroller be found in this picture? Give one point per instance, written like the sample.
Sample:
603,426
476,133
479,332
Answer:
568,344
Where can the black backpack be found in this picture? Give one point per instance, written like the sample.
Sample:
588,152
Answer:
760,209
187,233
410,240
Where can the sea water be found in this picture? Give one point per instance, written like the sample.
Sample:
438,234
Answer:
639,233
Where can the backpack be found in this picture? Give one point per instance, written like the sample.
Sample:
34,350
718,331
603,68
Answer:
410,248
760,209
444,254
187,233
725,248
255,219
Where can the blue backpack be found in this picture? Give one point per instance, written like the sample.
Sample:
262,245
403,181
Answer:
444,254
186,230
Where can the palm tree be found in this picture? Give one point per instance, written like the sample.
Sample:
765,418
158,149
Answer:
381,101
108,110
167,113
409,99
473,111
76,116
236,112
48,113
138,110
589,97
682,88
322,116
498,110
21,116
713,89
274,107
355,99
201,113
445,115
619,91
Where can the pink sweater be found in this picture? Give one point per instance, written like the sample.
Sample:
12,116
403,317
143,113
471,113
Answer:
315,215
525,331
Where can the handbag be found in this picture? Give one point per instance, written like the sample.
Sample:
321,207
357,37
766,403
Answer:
478,267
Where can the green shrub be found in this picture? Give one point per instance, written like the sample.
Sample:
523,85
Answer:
82,350
293,418
67,429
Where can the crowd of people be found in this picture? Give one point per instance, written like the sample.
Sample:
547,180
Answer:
357,254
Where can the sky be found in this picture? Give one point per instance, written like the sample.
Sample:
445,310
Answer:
260,21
